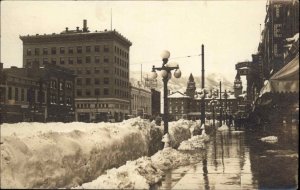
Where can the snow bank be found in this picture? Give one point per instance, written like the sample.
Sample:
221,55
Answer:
223,128
270,139
54,155
138,174
143,172
196,142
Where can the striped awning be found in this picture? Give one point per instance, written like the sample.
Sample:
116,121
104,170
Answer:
285,80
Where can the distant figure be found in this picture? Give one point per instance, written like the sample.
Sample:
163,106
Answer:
230,120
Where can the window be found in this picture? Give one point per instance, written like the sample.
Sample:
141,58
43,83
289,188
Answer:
79,60
97,92
106,48
106,91
87,92
28,51
87,59
68,100
106,80
88,81
106,71
28,62
16,94
79,81
71,60
45,61
22,94
106,60
53,84
53,50
88,49
61,100
61,86
62,60
71,50
97,81
79,92
97,59
97,71
68,85
88,72
37,51
45,51
79,49
53,61
62,50
97,49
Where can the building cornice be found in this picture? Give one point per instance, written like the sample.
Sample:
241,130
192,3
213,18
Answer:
84,36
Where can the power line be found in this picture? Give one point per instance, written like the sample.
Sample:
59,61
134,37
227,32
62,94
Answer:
187,56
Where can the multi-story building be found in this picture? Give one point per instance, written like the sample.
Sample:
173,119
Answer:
37,94
188,105
141,102
100,61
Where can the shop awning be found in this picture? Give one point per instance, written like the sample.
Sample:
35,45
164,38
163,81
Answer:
285,80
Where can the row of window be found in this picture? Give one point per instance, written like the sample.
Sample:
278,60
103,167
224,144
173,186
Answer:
88,71
53,84
89,105
88,92
64,50
121,62
31,95
88,81
121,73
54,99
121,52
69,60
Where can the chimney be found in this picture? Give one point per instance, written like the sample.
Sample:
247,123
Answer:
77,29
67,29
1,66
84,29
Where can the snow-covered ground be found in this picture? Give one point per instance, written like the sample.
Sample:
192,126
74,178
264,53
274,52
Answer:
55,155
270,139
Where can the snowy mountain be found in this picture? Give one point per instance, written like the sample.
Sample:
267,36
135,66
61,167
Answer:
211,81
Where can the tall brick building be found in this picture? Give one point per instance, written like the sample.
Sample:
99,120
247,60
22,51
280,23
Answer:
100,61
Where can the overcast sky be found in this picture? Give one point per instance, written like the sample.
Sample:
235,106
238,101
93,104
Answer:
229,30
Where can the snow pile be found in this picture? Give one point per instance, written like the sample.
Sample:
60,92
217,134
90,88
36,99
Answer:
196,142
270,139
138,174
223,128
180,131
143,172
54,155
169,158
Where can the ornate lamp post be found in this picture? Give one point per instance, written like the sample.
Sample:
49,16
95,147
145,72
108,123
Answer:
165,72
221,105
213,103
225,96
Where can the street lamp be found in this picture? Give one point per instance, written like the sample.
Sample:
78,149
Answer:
225,96
213,103
165,72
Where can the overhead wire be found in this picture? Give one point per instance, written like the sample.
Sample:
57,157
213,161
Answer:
187,56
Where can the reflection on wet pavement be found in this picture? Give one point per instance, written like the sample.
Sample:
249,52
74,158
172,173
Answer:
237,160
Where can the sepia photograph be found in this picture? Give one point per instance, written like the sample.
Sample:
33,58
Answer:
152,95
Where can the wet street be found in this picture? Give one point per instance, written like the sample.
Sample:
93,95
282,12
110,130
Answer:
239,160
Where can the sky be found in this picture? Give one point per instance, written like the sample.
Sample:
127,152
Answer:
229,30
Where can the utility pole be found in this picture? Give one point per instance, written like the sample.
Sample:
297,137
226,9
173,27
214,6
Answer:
202,86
